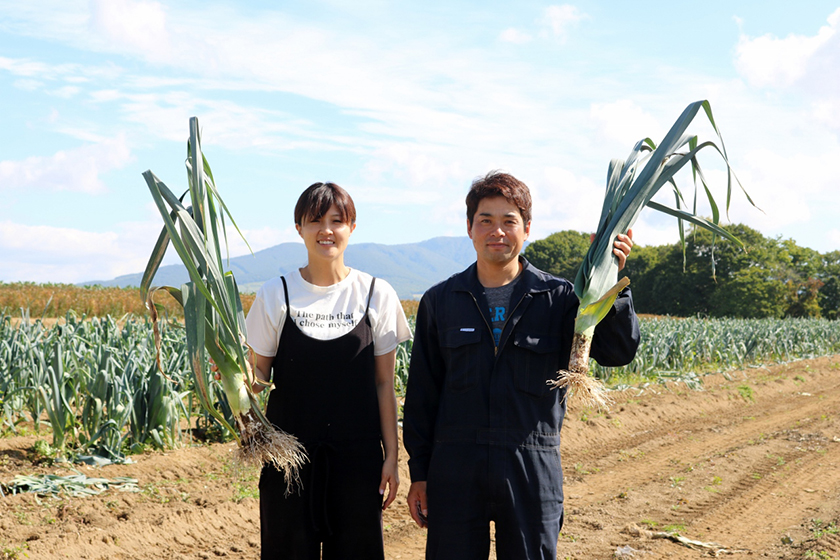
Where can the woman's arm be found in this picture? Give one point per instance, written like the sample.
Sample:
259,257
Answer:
263,367
385,365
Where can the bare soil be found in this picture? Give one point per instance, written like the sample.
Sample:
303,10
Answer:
751,463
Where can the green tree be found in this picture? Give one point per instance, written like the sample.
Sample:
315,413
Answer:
643,266
560,253
803,298
749,293
771,278
799,269
829,297
684,285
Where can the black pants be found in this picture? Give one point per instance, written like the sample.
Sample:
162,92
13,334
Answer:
519,489
339,505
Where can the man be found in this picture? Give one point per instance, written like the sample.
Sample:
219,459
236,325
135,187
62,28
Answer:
482,427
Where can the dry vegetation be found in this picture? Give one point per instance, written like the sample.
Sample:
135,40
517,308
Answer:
55,300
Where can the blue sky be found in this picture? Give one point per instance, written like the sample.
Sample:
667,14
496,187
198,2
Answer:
403,104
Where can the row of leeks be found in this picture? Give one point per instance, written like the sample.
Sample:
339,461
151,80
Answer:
631,186
683,349
215,322
95,382
102,352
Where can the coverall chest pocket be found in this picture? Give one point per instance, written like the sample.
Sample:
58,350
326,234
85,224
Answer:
537,359
461,349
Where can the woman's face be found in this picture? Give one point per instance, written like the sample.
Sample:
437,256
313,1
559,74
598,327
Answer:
327,237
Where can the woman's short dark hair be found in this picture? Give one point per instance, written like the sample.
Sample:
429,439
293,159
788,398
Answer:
317,199
500,184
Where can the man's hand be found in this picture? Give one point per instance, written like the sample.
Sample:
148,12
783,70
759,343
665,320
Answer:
621,247
417,503
623,244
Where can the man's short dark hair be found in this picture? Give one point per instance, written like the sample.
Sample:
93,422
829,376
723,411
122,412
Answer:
497,183
317,199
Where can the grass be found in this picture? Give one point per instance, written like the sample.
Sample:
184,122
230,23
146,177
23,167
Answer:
820,529
244,481
746,393
821,555
12,552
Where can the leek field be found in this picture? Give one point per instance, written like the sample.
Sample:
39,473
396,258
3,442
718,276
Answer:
93,385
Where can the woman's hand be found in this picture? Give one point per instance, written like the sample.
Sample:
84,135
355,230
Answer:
391,479
263,363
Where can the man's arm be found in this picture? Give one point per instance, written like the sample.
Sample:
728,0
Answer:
422,395
425,382
617,335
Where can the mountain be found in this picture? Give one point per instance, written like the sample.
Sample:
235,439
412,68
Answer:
411,268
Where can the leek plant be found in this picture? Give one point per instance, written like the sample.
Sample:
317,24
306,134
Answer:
58,402
631,186
213,314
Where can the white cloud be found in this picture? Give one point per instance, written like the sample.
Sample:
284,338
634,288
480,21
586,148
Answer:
563,200
654,228
227,123
77,170
415,89
559,19
65,92
513,35
55,242
133,26
771,61
413,166
804,65
28,85
789,187
56,254
259,239
40,71
624,122
52,254
827,111
22,67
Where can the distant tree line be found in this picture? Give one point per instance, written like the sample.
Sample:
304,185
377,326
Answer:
774,277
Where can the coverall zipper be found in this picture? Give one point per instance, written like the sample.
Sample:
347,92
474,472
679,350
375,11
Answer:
489,328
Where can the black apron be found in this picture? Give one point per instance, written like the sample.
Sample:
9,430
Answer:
325,395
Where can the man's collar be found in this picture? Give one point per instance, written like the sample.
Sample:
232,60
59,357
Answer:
529,279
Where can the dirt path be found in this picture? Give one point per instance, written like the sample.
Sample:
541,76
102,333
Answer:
751,463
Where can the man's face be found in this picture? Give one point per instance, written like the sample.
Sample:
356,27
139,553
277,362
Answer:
497,231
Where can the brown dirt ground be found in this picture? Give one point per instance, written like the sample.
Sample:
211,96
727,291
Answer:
752,463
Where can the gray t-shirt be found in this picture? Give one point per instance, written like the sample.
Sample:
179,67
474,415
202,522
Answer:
499,301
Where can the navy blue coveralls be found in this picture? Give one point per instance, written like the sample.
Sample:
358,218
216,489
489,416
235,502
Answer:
325,396
481,426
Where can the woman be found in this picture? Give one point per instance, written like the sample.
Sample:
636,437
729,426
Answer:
330,334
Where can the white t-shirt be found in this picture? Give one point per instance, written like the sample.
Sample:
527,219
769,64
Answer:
327,312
